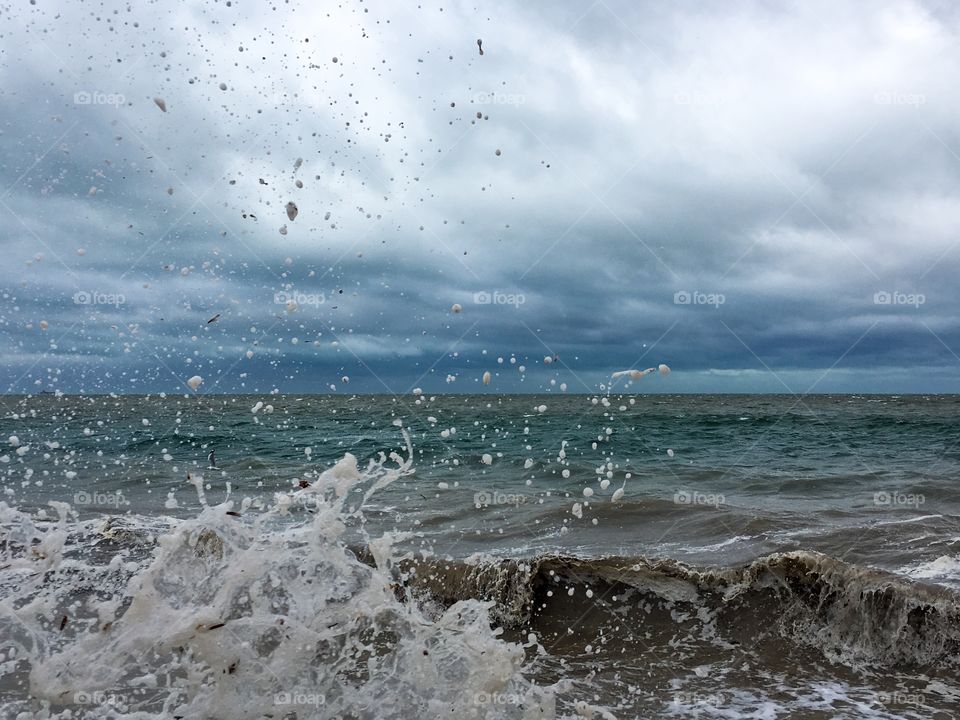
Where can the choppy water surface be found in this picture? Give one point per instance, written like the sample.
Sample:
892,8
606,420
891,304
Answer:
524,556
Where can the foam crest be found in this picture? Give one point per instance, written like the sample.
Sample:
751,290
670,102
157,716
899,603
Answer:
244,615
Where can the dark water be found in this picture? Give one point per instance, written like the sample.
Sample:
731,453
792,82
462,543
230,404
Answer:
870,479
768,556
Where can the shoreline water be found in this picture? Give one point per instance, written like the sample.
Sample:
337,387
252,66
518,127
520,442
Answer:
805,560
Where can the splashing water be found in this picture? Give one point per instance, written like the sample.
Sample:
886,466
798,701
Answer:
243,614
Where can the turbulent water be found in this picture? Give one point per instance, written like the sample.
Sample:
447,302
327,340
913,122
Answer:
480,556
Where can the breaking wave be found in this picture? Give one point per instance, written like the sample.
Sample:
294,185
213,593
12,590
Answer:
852,614
241,613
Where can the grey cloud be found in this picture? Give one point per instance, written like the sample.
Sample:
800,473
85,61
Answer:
794,160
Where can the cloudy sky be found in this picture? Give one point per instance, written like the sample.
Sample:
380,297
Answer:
763,195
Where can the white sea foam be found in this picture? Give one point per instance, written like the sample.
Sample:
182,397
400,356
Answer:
944,569
244,616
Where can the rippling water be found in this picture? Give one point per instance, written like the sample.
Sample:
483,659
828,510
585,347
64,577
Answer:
774,554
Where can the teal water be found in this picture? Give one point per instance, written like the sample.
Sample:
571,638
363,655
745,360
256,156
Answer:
719,556
871,477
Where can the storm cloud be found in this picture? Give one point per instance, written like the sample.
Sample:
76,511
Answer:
762,195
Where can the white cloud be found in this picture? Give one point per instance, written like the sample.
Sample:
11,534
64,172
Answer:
797,159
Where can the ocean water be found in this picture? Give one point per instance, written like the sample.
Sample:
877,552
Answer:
480,556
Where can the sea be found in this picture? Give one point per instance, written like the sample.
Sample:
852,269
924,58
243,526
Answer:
479,556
